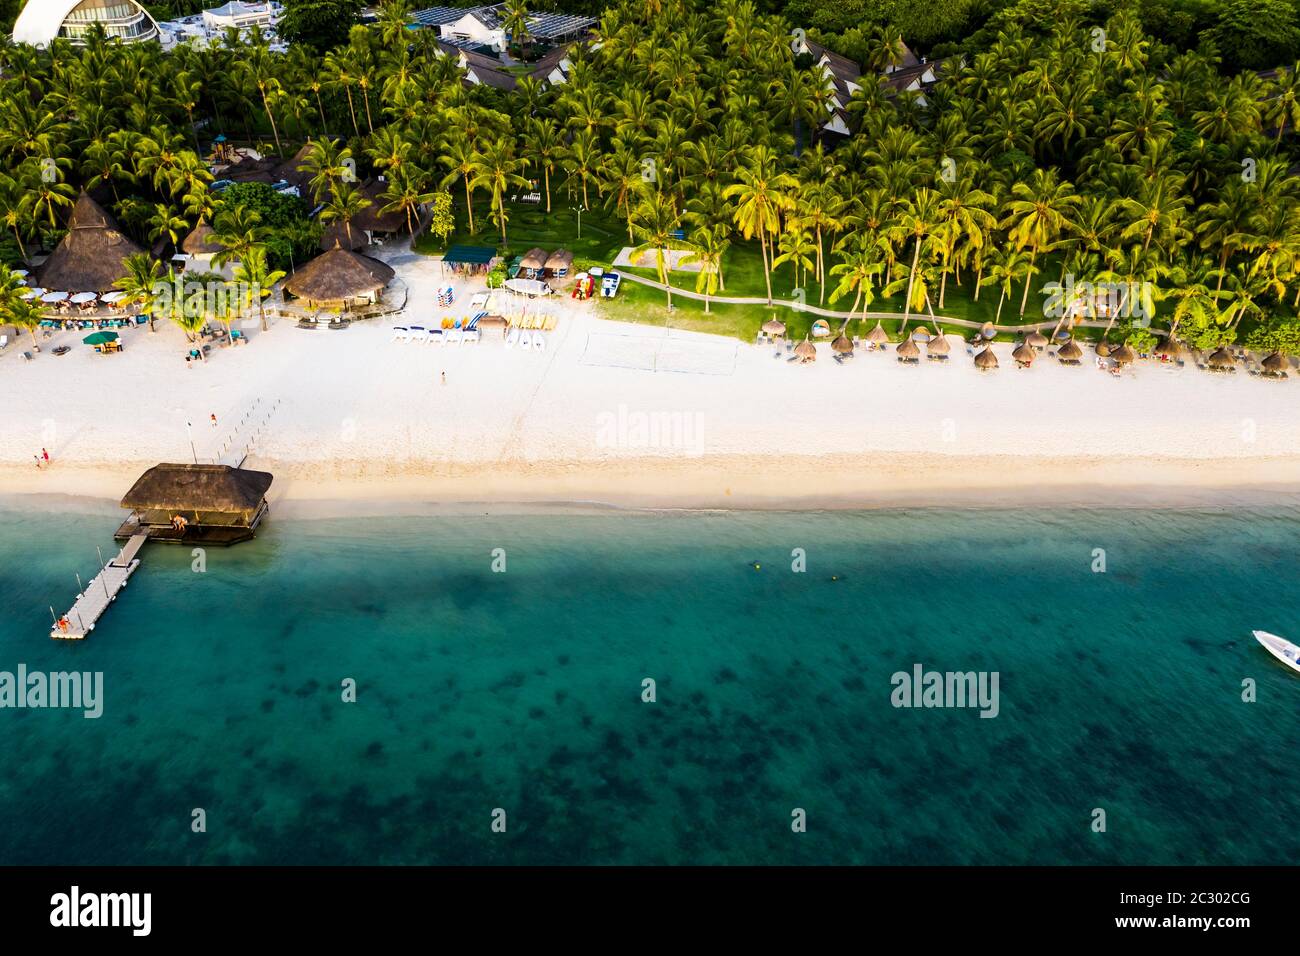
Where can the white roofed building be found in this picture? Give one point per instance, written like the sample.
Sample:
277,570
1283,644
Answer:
42,21
239,15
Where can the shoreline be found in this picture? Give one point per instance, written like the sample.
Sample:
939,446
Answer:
712,483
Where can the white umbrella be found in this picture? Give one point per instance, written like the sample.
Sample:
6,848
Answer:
54,297
81,297
112,296
33,293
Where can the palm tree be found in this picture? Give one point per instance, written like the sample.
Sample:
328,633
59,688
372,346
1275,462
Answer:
708,244
463,157
1036,214
514,20
543,147
407,191
858,275
796,248
762,193
141,283
498,171
917,219
15,310
238,230
655,219
257,279
1008,268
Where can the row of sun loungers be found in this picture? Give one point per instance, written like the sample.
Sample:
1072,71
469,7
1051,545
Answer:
420,335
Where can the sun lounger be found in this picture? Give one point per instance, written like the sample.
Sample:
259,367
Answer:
419,335
539,343
471,336
512,337
27,356
525,340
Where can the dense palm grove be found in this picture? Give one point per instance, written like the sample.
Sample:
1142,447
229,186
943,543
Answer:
1068,146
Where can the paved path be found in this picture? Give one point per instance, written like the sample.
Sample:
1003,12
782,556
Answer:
831,314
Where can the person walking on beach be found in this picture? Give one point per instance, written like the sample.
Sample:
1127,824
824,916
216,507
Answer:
46,455
38,462
213,416
444,378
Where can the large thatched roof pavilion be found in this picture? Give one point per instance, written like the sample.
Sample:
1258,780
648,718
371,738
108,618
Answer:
214,504
340,278
90,257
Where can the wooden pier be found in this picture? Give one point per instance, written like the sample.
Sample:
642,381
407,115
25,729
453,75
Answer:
95,599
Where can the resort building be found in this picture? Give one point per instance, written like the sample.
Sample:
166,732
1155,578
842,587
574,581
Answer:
90,258
42,21
240,16
196,504
483,27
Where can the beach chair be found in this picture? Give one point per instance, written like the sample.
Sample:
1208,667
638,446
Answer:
27,356
471,336
4,341
539,342
453,337
419,335
401,334
525,340
512,337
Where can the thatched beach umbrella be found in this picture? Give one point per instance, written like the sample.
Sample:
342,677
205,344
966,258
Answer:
1221,358
1024,354
805,351
1036,340
878,335
1274,363
908,349
533,259
842,344
339,276
986,360
774,327
938,346
1069,352
921,334
1103,348
1170,347
561,260
1124,355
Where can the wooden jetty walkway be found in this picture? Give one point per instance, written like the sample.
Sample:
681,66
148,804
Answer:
95,598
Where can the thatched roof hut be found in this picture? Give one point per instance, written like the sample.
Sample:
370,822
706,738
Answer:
561,260
90,257
1124,355
1036,340
339,276
842,344
1221,358
533,259
908,349
218,504
1275,363
249,170
372,218
938,345
774,327
1070,352
200,241
293,171
805,351
878,335
489,322
343,234
1024,353
986,359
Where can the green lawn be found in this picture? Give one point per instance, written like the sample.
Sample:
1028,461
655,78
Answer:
604,234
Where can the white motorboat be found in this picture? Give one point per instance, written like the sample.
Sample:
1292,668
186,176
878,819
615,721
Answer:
1282,649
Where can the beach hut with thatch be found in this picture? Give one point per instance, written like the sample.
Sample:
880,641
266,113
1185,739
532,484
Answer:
490,323
908,350
1069,353
340,278
937,348
372,220
343,234
1124,355
986,360
201,245
90,258
1275,364
294,170
1221,360
805,352
1024,355
196,504
1036,340
534,260
558,263
878,335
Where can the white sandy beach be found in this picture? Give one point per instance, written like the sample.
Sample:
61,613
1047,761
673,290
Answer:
632,415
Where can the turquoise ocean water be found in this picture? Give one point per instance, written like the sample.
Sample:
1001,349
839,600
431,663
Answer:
522,691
